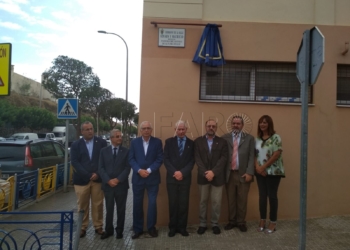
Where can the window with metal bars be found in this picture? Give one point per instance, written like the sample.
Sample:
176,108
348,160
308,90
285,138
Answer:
343,84
251,81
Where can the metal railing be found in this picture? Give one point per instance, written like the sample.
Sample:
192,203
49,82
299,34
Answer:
42,233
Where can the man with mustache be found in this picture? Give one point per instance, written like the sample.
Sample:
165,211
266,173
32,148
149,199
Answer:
239,173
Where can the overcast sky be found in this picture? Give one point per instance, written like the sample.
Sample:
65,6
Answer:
41,30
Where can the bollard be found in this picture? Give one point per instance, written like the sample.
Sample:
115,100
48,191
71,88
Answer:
77,233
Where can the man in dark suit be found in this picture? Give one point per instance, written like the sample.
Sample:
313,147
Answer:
239,173
114,170
211,157
85,154
179,161
145,158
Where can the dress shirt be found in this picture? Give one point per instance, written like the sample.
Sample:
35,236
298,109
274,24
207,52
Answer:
238,141
178,142
145,148
90,146
210,142
116,152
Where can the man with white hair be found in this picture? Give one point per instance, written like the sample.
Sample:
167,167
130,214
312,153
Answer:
179,161
145,158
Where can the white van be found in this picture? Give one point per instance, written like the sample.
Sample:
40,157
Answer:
60,134
24,136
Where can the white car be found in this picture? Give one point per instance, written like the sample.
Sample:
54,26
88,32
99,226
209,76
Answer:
2,139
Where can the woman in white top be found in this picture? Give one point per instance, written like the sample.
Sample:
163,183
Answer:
269,170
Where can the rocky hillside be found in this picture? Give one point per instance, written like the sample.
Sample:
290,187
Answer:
22,101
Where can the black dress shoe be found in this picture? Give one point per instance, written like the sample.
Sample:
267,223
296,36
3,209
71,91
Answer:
172,233
136,235
153,232
229,226
119,235
82,233
183,232
201,230
216,230
105,235
242,227
99,231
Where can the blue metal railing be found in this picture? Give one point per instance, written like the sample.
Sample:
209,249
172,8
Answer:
37,239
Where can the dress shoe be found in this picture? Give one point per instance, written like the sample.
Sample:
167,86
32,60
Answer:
105,235
119,235
136,235
183,232
229,226
99,231
216,230
172,233
201,230
261,227
242,227
82,233
153,232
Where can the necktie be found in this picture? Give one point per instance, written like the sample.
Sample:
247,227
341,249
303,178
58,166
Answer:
115,153
234,153
181,149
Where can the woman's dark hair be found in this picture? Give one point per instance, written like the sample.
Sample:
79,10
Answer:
270,128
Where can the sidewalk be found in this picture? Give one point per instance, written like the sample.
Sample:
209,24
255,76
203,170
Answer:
322,233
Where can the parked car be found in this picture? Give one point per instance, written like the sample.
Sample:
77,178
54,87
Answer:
24,136
19,156
60,134
2,139
48,136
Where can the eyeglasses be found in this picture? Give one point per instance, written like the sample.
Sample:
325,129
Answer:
117,136
211,126
146,128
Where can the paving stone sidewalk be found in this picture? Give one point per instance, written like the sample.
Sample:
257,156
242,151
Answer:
322,233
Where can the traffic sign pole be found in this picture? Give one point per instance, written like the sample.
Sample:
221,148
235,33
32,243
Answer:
304,137
310,59
67,108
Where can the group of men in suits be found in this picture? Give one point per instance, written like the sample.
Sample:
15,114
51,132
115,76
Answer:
226,160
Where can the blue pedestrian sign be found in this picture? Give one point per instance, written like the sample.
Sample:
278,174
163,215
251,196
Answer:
67,108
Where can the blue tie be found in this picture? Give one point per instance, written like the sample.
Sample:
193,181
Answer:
181,148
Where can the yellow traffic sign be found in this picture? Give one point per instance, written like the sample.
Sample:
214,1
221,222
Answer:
5,68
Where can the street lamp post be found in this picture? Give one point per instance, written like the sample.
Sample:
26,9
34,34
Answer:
127,73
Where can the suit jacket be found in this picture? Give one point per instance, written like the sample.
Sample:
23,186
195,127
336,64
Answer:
174,162
110,168
215,161
80,160
153,160
246,149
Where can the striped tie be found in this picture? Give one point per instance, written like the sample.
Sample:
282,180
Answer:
181,148
234,153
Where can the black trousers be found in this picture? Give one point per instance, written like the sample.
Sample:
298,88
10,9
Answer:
178,195
268,186
119,198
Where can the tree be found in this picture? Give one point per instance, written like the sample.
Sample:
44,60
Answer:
34,118
70,78
91,98
24,88
8,112
116,108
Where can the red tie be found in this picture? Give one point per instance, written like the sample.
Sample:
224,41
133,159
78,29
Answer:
234,153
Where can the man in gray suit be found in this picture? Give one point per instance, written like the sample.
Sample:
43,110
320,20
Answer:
239,173
114,170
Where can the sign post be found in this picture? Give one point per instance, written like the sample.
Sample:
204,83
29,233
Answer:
310,59
67,109
5,68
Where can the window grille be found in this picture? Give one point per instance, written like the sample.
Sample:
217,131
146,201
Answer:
251,81
343,84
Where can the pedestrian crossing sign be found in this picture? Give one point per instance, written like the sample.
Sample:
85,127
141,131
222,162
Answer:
67,108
